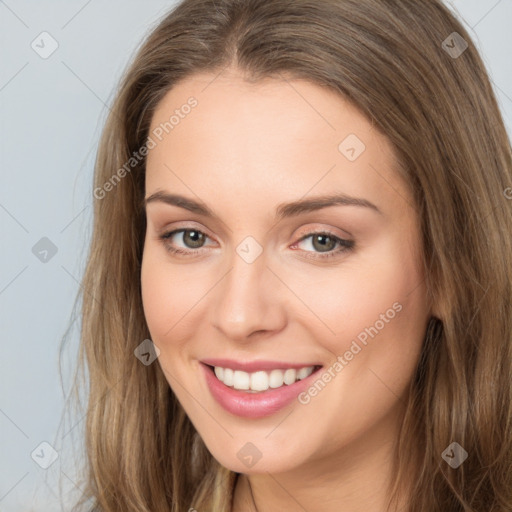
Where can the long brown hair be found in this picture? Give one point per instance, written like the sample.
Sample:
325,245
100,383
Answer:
402,65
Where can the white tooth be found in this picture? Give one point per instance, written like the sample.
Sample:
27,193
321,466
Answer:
276,378
290,376
259,381
219,372
228,376
304,372
241,380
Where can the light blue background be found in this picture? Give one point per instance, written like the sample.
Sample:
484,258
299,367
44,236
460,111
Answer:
51,114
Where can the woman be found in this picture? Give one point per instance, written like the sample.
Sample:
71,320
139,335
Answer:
298,290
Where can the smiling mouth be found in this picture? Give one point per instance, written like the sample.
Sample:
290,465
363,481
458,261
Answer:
261,381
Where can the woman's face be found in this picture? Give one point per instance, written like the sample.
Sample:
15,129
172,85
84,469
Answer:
270,283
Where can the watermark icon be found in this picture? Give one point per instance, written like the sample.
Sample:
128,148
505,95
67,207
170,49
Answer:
44,250
147,352
351,147
454,45
343,360
508,193
249,454
249,249
44,455
454,455
138,156
44,45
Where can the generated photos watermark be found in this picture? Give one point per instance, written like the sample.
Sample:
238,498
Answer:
157,135
355,348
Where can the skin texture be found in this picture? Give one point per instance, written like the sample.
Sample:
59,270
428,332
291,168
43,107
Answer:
244,149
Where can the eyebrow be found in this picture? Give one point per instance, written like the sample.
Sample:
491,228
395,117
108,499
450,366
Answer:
283,210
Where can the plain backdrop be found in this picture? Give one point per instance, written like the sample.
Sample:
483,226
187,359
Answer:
51,114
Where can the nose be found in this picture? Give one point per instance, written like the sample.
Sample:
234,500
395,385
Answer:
248,301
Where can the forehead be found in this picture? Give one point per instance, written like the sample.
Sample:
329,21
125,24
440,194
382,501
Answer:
278,139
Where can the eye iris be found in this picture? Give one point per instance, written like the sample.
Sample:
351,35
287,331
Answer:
324,247
197,238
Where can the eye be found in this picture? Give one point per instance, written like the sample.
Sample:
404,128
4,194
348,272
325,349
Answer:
324,242
192,238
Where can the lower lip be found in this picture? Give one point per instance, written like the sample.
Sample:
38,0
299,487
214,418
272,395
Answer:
254,405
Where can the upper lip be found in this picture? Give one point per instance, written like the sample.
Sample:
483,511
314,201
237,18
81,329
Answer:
254,366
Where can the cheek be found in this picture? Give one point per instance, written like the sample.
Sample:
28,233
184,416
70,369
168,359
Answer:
173,298
156,295
378,293
164,296
168,299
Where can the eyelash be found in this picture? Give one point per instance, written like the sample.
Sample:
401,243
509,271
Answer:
346,245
